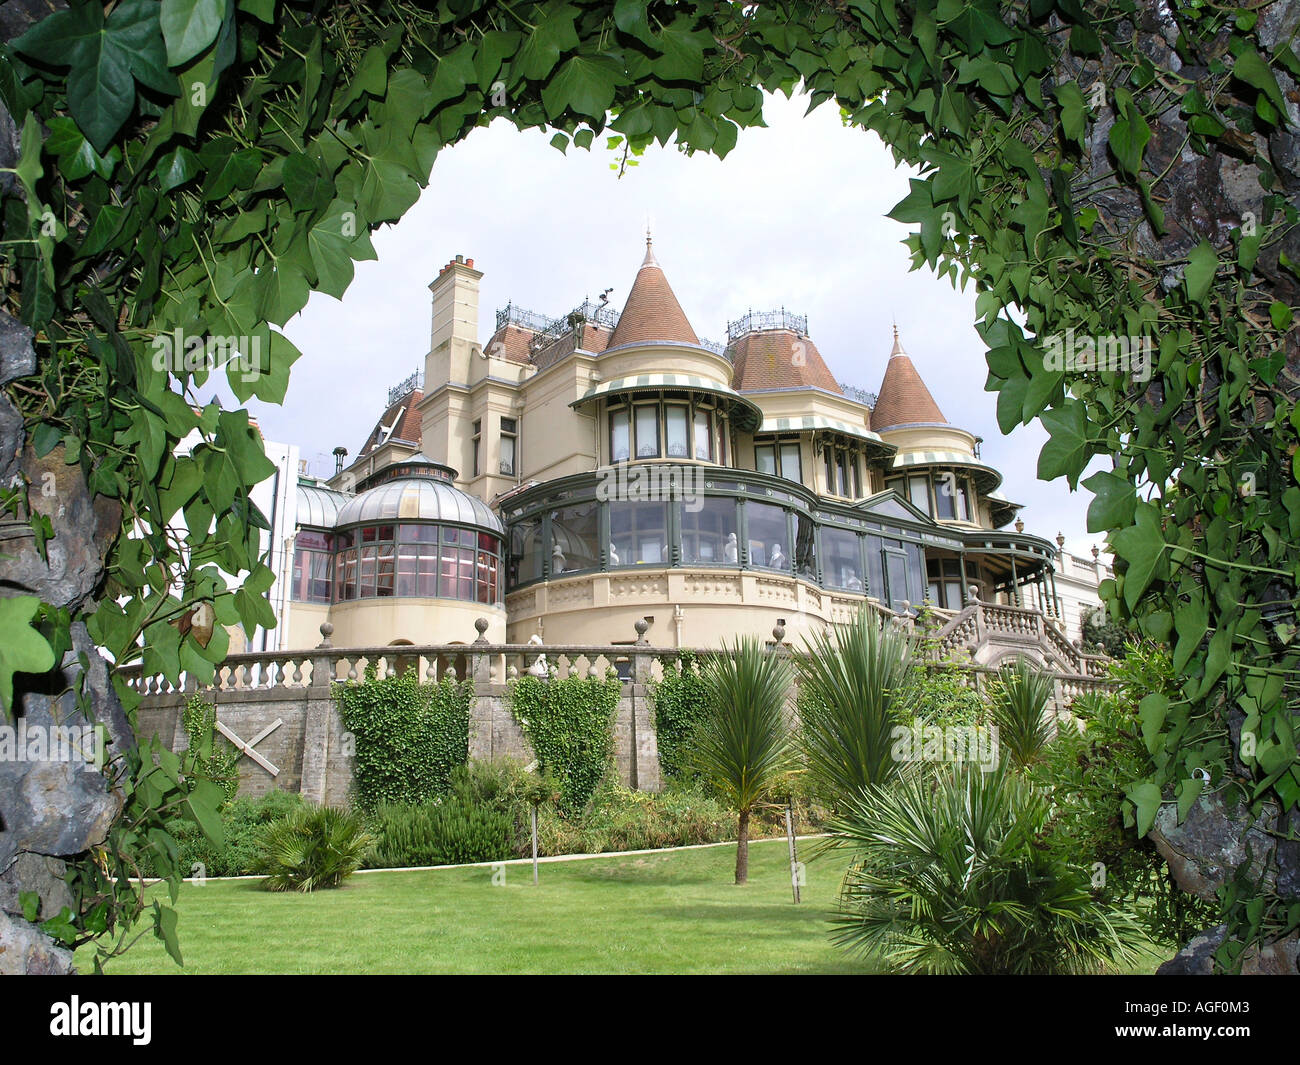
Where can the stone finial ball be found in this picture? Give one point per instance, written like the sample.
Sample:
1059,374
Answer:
642,626
778,633
481,624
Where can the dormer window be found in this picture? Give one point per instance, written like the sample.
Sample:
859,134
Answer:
673,428
778,457
843,472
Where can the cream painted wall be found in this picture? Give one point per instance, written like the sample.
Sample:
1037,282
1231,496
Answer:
376,622
691,608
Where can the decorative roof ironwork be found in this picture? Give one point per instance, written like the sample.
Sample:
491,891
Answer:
858,395
405,388
756,321
548,330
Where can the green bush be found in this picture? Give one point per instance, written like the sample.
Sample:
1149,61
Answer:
409,736
1093,825
242,821
949,876
618,819
314,847
680,703
447,831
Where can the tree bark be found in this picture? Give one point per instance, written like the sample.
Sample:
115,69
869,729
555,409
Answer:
742,849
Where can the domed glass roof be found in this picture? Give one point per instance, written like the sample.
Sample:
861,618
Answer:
318,508
417,499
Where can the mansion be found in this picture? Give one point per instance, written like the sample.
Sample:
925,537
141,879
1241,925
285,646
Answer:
568,477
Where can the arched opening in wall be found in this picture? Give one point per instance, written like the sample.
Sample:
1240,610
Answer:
400,663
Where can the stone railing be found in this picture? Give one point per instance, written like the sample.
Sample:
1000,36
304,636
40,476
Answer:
988,632
278,708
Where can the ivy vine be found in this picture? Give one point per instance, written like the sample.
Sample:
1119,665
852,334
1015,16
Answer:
680,703
194,168
570,724
408,736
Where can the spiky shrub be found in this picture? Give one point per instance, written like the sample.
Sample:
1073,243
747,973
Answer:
856,685
1019,707
314,847
743,745
948,878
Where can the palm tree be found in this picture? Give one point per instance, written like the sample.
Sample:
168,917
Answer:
854,683
743,745
949,876
1018,712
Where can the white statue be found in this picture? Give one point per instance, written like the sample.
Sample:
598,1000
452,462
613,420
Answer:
777,560
557,560
613,554
539,667
730,551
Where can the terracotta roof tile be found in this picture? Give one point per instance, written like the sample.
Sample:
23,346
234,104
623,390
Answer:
404,419
903,398
514,340
652,312
769,359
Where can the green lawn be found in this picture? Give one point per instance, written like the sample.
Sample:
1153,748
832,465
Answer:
675,912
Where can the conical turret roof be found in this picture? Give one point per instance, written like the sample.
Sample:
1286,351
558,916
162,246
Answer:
903,398
652,313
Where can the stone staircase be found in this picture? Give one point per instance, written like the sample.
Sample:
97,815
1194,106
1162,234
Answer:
987,634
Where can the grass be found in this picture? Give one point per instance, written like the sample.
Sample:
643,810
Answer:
675,912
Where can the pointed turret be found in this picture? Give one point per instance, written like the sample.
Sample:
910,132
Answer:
903,398
652,313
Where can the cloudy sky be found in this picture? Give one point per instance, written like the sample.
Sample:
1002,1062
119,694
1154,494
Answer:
794,217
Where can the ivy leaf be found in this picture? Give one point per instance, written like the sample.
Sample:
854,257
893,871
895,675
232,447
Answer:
101,88
631,16
1145,797
1191,619
164,927
176,168
1066,451
584,85
189,26
1129,135
1151,713
305,183
1114,504
22,648
683,52
1251,68
1199,275
1141,545
134,24
334,242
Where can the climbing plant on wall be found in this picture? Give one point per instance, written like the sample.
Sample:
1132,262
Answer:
680,703
1115,179
570,724
408,736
